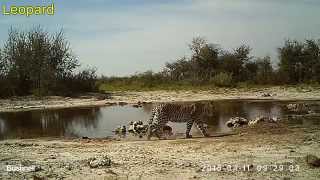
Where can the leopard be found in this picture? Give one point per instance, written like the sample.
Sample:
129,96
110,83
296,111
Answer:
189,113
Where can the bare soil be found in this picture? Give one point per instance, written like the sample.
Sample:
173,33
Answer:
51,102
267,151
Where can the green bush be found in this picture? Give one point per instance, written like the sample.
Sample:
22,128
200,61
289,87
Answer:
222,79
40,63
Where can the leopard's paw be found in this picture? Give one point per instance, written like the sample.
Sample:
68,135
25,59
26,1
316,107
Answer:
188,136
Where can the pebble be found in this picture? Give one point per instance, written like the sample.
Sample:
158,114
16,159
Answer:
68,167
100,161
312,160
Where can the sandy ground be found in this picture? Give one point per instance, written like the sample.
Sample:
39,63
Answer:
280,150
267,151
276,93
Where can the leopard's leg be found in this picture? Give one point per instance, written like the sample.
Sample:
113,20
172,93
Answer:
153,130
153,116
189,126
151,125
162,122
202,129
156,128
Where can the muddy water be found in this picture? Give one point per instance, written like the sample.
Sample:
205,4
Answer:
99,122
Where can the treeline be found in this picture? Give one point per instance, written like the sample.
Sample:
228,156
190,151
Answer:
36,62
299,62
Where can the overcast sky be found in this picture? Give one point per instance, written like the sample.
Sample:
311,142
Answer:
121,37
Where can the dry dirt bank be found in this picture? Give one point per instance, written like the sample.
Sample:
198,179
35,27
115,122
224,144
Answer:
170,159
277,93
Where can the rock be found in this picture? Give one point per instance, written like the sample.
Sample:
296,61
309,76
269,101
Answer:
131,127
239,121
137,105
110,103
104,96
120,130
27,163
137,128
263,119
24,144
18,107
257,120
275,119
34,107
102,161
68,167
266,94
37,168
37,177
98,96
52,156
236,122
122,103
312,160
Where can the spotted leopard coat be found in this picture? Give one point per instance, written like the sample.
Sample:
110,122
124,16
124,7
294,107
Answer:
189,113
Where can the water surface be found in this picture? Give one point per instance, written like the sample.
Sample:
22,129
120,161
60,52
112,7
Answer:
99,122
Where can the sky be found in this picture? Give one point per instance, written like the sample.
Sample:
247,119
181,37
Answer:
122,37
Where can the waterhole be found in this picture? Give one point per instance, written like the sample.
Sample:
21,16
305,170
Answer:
99,122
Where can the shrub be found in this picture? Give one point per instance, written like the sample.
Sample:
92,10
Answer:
222,79
39,63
